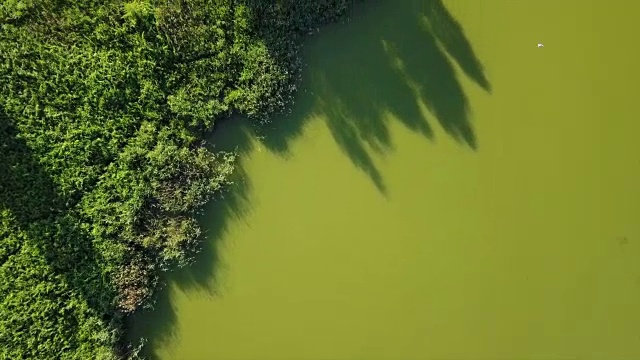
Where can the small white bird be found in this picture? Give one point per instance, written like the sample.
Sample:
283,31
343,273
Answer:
540,45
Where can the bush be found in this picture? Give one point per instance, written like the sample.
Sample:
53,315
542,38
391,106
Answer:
102,110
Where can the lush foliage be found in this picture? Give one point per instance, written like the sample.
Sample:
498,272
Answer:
103,108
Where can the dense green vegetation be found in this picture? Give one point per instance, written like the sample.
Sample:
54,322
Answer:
103,110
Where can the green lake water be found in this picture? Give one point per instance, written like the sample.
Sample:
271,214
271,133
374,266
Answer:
444,189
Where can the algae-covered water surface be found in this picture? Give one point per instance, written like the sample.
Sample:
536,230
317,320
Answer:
444,189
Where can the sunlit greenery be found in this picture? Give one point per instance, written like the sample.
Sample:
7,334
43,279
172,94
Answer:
103,110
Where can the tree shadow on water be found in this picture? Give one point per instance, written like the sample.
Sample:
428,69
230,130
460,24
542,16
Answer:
157,324
399,67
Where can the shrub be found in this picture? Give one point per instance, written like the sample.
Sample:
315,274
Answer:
102,110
